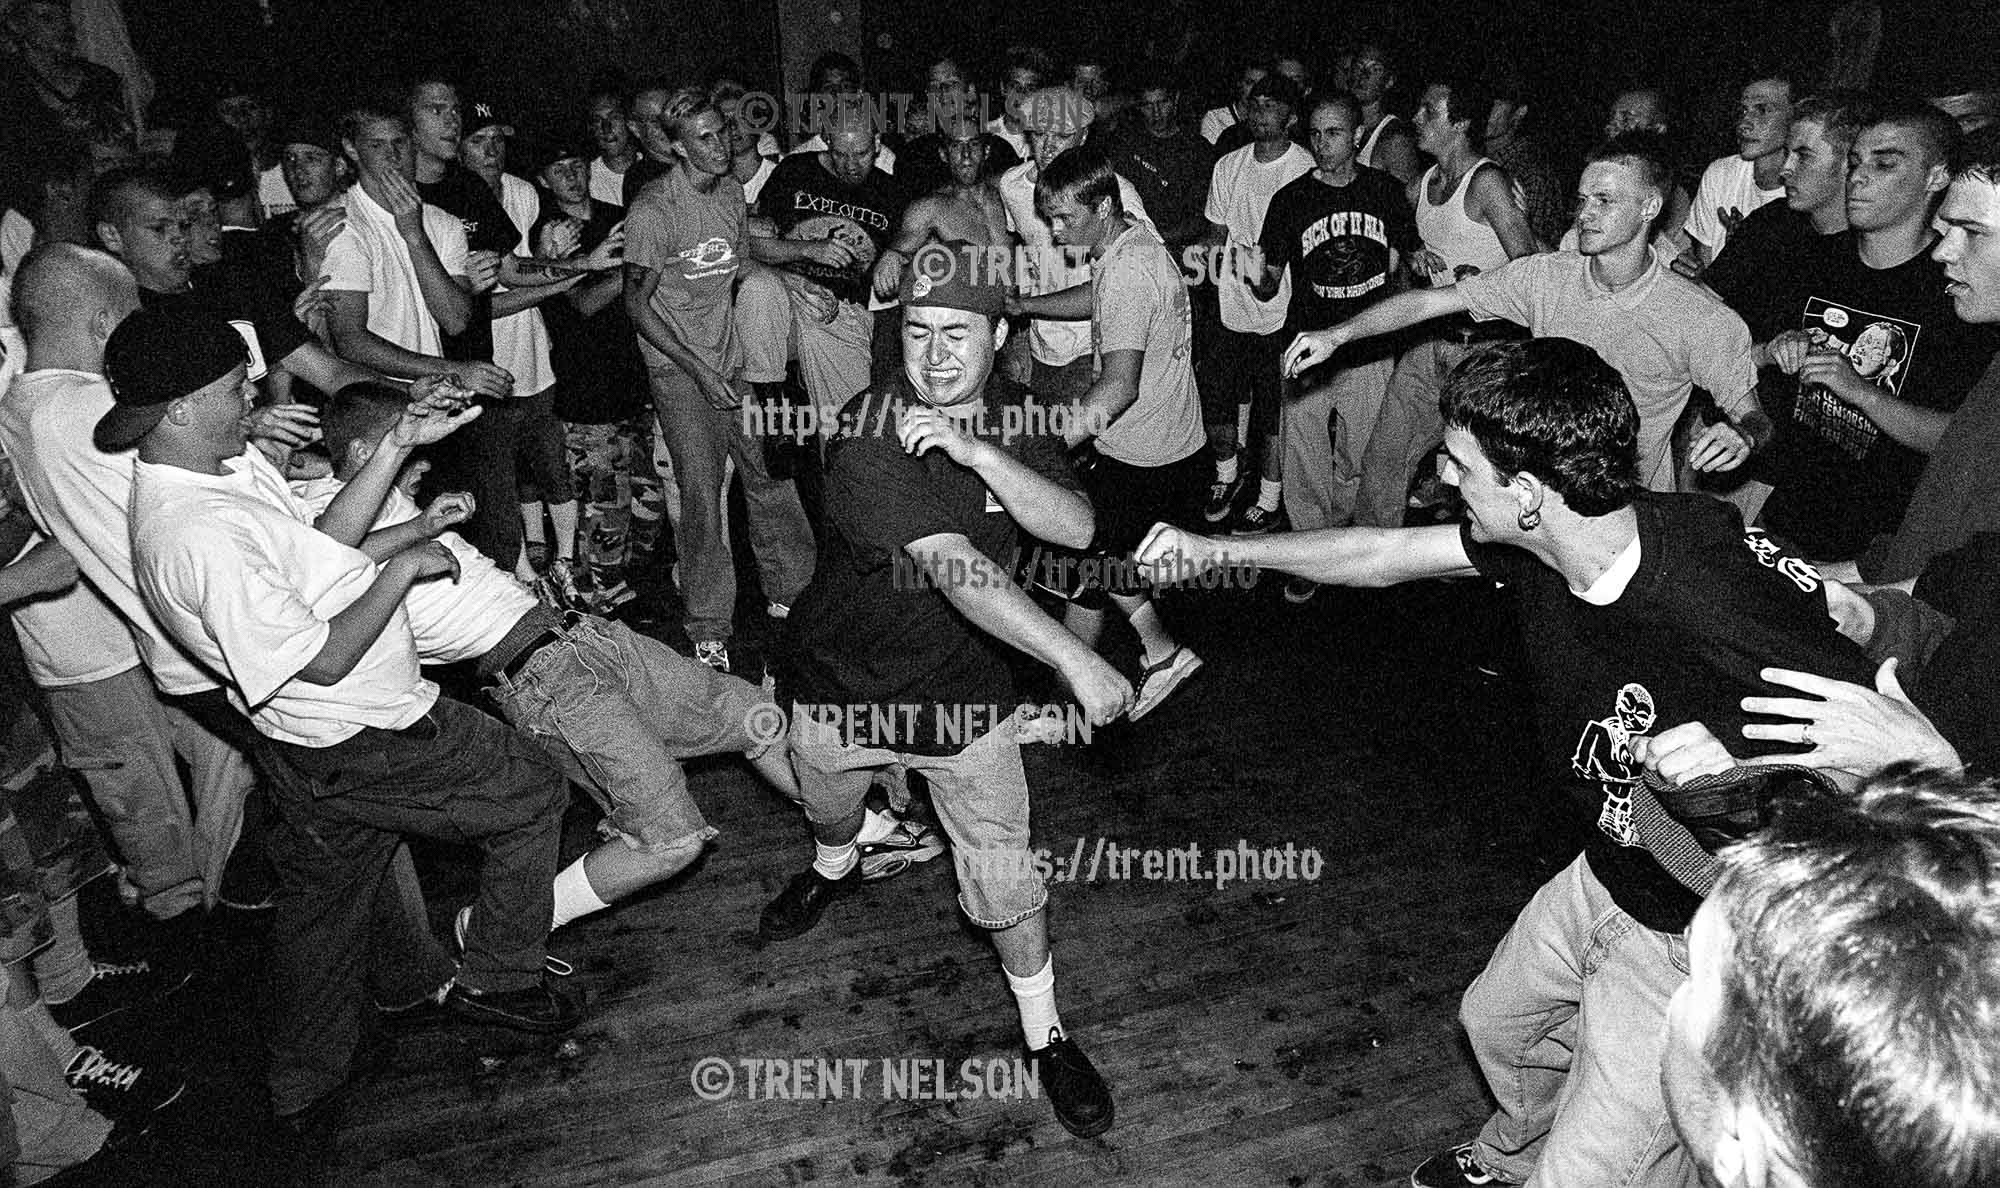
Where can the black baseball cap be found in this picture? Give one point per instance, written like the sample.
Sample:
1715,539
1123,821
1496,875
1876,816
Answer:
153,359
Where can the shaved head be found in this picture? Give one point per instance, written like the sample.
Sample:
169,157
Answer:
59,287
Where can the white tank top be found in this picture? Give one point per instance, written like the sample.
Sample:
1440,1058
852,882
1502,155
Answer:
1367,154
1449,231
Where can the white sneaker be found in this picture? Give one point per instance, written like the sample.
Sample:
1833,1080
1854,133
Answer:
1156,681
714,653
778,610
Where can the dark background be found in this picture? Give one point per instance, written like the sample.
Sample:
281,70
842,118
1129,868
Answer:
540,56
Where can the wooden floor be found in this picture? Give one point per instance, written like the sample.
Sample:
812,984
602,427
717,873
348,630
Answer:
1283,1033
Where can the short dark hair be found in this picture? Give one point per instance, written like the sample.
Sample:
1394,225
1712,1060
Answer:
1030,57
1938,131
1978,156
1555,409
1841,114
361,411
1084,172
1642,150
826,64
1861,977
1333,98
1470,100
1155,75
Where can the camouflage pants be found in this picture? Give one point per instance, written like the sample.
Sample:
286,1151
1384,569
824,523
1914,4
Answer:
620,488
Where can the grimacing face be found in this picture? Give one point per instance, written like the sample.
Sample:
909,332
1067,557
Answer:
948,353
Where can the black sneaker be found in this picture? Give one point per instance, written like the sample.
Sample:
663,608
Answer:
803,901
1300,590
249,881
1081,1099
1256,520
540,1008
1455,1168
1222,499
114,989
122,1090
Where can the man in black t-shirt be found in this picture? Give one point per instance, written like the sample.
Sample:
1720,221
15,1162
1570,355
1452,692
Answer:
902,642
1882,361
1642,613
1340,230
1167,162
601,393
140,220
835,212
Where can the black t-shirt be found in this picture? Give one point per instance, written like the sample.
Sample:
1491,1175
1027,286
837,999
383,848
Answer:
487,229
1957,691
599,377
240,297
1766,268
807,202
1709,606
1839,480
1336,240
920,170
1171,176
866,632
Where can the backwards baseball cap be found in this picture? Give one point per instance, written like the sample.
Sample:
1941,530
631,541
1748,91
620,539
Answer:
1061,110
301,129
540,152
155,358
955,274
484,113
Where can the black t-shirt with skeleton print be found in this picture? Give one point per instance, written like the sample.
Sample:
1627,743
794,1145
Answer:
1709,605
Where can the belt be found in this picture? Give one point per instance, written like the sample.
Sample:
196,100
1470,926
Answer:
512,667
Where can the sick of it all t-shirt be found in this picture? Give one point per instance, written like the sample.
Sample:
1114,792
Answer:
1337,242
865,632
807,202
1708,606
1839,480
695,241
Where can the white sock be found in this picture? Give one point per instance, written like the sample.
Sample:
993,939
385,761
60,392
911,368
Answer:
575,898
1267,494
1035,995
833,862
875,826
1225,472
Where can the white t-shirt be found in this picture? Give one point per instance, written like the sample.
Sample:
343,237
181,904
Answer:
1046,269
273,194
72,638
607,184
1239,195
238,574
368,256
450,621
17,236
521,339
1217,120
1729,183
80,496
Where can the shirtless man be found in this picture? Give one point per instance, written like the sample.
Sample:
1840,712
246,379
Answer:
966,208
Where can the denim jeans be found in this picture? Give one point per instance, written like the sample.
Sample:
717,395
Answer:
981,798
1408,426
620,711
1568,1022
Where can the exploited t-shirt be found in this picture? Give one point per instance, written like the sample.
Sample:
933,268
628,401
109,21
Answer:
460,192
1709,605
807,202
599,378
1337,242
237,295
869,631
1838,479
